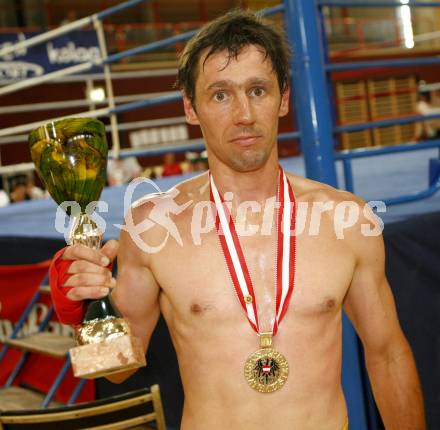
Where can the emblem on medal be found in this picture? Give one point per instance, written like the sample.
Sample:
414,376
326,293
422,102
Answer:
266,370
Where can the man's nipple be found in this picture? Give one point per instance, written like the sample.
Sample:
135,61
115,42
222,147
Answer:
196,309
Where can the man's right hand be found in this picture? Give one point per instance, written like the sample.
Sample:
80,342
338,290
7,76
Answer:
90,277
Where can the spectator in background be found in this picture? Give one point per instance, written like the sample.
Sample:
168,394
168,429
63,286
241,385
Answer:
170,166
190,158
201,163
123,170
197,162
33,192
71,16
18,188
428,104
21,187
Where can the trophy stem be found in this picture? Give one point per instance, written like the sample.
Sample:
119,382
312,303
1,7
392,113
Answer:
100,309
85,231
101,319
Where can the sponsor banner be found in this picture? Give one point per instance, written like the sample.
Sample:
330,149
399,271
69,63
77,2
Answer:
64,51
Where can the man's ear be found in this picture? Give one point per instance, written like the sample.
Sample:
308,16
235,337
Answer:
190,113
284,106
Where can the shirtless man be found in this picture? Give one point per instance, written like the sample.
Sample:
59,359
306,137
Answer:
234,77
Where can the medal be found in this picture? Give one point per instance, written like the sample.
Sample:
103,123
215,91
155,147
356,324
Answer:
265,370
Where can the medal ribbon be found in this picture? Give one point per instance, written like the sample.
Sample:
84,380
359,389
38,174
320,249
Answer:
286,252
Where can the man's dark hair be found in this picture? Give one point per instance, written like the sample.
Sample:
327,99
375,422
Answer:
233,31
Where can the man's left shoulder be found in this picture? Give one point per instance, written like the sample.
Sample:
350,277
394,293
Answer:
314,191
348,215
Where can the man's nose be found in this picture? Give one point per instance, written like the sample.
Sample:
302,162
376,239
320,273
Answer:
243,111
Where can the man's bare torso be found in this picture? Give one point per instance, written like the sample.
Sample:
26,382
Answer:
213,338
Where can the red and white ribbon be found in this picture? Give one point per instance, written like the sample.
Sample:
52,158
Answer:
286,252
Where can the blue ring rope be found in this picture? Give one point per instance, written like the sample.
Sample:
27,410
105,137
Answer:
115,9
383,3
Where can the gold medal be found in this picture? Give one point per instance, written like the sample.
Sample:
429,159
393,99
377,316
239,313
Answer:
266,370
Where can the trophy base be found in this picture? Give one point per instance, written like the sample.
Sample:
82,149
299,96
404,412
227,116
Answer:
104,358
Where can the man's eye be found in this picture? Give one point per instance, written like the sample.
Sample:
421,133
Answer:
257,92
219,96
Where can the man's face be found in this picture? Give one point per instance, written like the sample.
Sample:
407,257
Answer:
237,106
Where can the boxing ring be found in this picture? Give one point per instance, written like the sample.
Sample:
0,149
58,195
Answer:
313,98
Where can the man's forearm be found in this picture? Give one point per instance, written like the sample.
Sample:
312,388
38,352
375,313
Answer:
396,388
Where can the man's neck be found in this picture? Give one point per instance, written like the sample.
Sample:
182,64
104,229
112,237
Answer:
257,185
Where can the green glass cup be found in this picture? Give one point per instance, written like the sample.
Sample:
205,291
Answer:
70,157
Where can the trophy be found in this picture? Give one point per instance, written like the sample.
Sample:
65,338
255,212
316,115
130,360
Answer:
70,156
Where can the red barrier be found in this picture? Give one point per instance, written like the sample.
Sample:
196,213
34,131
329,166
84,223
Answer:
18,284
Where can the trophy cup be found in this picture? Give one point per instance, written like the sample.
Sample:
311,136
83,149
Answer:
70,156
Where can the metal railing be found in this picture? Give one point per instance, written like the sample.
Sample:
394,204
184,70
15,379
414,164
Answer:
96,21
111,109
348,155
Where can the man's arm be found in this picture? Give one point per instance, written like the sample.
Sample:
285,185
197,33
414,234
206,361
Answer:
135,293
370,306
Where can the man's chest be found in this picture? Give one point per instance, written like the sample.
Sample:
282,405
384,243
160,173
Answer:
197,284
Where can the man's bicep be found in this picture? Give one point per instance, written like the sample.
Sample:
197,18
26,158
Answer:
137,293
369,302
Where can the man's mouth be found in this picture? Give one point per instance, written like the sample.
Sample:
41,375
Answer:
245,140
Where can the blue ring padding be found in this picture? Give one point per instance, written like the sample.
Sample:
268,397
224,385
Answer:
421,195
163,149
419,61
347,156
150,46
289,136
348,174
270,10
159,150
112,10
370,152
385,122
383,3
157,101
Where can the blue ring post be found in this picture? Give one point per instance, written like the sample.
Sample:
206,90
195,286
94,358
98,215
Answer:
309,87
310,93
